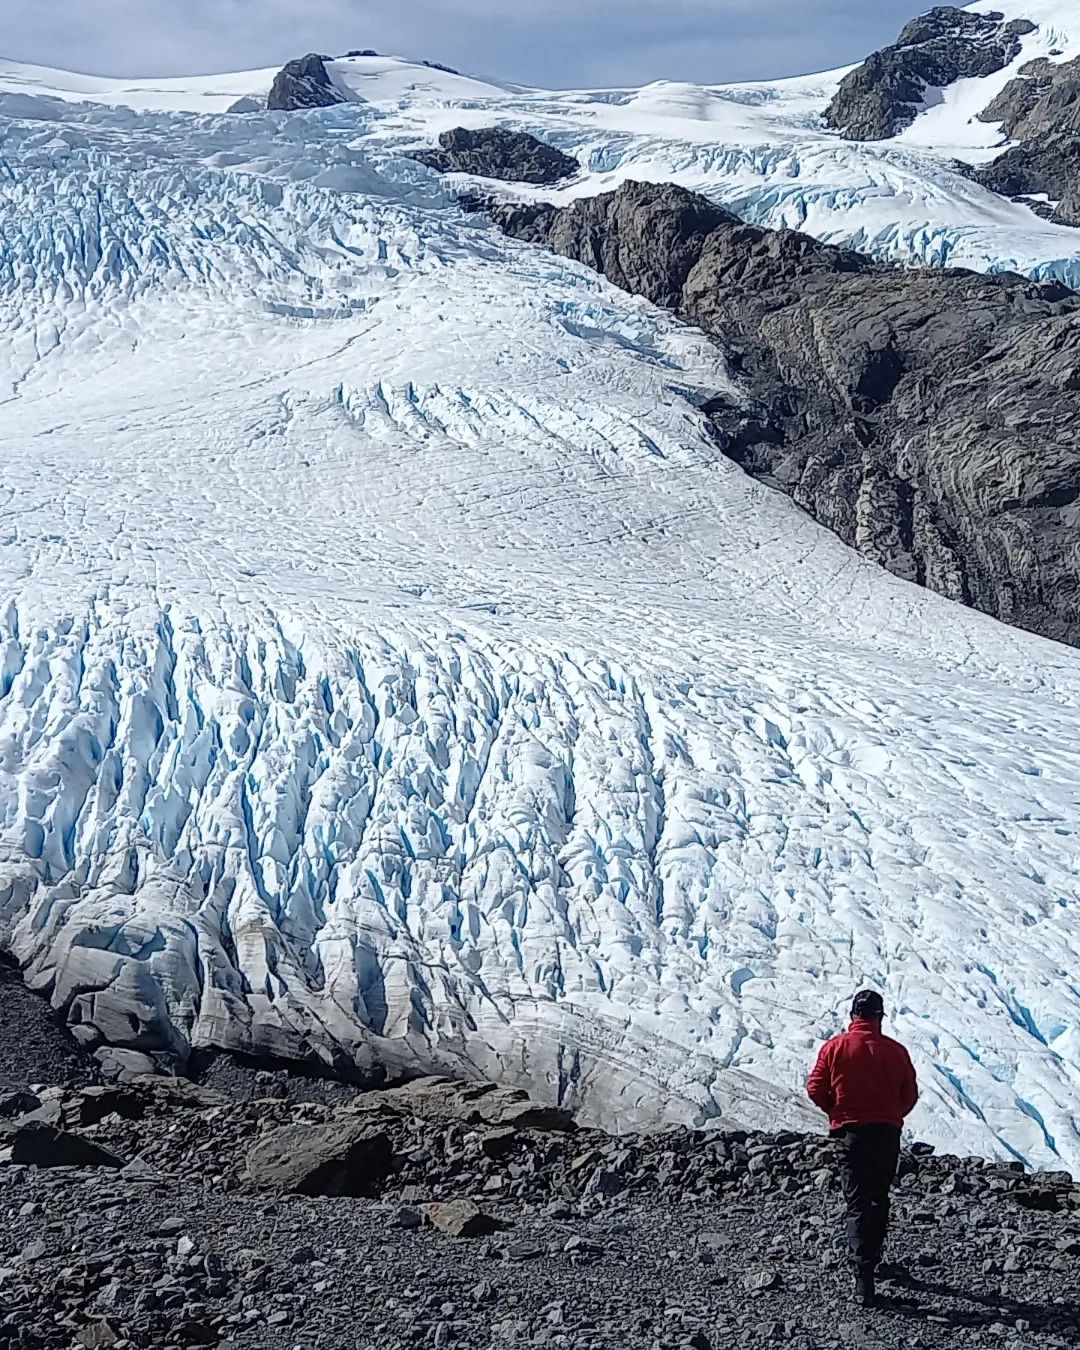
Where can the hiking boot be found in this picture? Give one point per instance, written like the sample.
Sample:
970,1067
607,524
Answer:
865,1292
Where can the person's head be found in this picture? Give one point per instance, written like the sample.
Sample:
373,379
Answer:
867,1006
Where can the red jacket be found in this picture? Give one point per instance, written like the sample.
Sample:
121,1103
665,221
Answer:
863,1077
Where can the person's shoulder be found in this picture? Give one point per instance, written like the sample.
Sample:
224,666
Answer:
895,1044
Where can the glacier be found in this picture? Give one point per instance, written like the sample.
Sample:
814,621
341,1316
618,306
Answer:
762,149
395,674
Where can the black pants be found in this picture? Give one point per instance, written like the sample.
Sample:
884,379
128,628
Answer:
868,1158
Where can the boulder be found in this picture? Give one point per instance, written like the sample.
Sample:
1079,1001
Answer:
49,1113
303,83
460,1218
342,1157
41,1145
120,1065
97,1334
165,1092
499,1143
494,152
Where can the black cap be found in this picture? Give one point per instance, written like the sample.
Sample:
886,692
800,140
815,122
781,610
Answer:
867,1003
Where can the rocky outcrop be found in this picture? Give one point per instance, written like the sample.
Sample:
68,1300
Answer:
493,152
303,83
883,95
929,418
1040,110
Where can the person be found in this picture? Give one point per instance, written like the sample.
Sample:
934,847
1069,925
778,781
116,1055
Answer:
865,1082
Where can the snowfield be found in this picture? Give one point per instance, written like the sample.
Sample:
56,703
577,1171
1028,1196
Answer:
393,671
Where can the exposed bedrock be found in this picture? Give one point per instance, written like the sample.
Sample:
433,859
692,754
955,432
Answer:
303,83
930,418
1040,110
884,95
494,152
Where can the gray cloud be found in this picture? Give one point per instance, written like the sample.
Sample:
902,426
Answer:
545,42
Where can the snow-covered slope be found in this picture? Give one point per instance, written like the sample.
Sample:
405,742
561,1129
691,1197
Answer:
208,94
392,669
950,123
760,149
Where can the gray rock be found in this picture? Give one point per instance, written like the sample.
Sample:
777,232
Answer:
303,83
607,1182
41,1145
758,1281
929,418
343,1157
1040,109
500,1143
95,1103
47,1113
461,1219
882,96
164,1092
525,1249
494,152
120,1065
444,1099
97,1334
21,1103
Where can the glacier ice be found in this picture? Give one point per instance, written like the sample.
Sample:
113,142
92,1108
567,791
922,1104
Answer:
760,149
393,672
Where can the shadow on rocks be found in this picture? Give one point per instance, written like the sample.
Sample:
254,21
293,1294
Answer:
984,1309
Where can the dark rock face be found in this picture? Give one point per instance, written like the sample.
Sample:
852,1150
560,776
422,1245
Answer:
931,419
492,152
1041,110
884,94
303,83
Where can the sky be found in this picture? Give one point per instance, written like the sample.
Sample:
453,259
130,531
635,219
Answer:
549,43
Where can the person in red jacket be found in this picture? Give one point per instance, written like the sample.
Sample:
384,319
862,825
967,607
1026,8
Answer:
865,1082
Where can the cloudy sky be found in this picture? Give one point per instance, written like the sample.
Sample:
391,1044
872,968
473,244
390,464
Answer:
546,42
